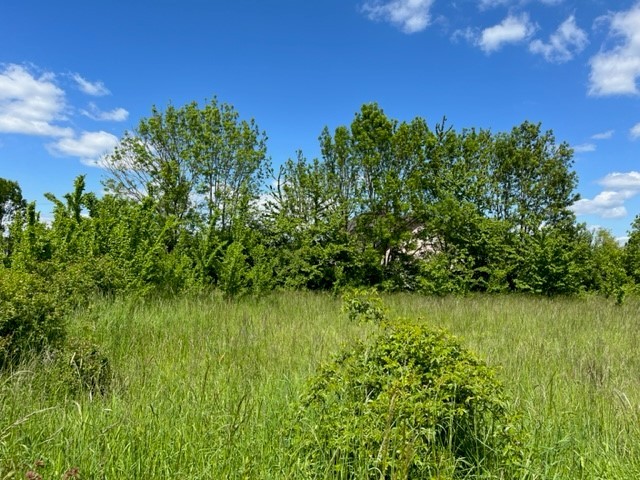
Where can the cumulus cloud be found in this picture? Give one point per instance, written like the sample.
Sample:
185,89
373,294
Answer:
615,71
410,16
95,89
603,135
607,204
512,29
30,104
89,147
567,41
635,131
622,181
584,148
115,115
619,187
35,104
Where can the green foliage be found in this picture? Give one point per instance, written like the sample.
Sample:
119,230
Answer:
394,205
233,271
555,261
363,305
201,399
532,179
443,274
31,240
201,165
31,316
632,251
411,404
261,275
11,202
609,275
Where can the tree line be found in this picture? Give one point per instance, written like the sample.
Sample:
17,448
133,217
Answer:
192,201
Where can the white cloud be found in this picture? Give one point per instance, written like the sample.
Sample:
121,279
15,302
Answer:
584,148
410,16
35,104
603,135
512,29
485,4
96,89
115,115
622,181
89,146
635,131
622,241
607,204
469,34
619,187
615,71
29,105
567,41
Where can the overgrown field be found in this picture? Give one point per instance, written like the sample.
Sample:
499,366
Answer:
202,388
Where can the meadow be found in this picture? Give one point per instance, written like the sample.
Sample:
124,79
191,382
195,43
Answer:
200,387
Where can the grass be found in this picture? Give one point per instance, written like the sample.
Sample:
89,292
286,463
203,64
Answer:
201,387
571,366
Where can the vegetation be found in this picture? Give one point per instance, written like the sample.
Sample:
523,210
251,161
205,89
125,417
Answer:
31,317
411,404
397,206
145,333
202,388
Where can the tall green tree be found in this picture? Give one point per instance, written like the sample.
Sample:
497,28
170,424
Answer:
11,201
152,161
533,180
632,251
198,164
227,160
609,276
69,230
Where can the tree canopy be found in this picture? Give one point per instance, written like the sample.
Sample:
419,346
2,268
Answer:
192,202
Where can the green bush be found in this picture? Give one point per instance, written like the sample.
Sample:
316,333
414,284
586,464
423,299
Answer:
411,404
233,272
363,305
31,315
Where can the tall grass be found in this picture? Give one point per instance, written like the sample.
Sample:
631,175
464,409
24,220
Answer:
571,365
200,390
201,387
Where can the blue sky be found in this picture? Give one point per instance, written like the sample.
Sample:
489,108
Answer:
75,75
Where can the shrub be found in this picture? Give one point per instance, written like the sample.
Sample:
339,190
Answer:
363,305
31,315
233,272
411,404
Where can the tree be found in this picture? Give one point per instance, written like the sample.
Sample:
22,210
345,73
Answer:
227,159
632,251
68,231
609,276
197,164
533,182
307,222
152,162
11,201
